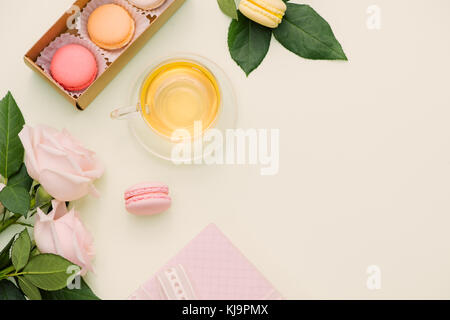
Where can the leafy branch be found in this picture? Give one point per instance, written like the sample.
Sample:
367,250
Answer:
24,271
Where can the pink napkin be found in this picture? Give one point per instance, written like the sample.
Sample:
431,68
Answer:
210,267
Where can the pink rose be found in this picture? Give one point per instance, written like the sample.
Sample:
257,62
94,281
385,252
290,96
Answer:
62,233
61,164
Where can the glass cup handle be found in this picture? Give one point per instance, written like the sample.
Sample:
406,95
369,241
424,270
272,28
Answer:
124,113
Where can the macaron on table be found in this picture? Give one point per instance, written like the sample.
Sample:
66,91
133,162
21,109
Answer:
147,4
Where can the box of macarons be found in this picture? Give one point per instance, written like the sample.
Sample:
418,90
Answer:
85,49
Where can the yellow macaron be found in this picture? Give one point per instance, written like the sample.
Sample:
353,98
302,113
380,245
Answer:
111,27
268,13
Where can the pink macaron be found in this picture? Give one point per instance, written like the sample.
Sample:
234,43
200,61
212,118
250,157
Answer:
74,67
147,198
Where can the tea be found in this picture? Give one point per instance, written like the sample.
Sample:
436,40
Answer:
178,94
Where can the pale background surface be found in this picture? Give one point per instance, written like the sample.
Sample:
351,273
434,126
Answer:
365,153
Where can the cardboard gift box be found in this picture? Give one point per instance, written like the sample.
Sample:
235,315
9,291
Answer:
60,27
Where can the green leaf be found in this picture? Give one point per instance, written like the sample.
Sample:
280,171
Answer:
16,199
30,290
304,32
48,271
228,7
5,258
84,293
21,250
8,291
21,179
248,43
11,149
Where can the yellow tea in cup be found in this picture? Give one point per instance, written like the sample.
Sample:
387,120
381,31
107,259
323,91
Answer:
177,94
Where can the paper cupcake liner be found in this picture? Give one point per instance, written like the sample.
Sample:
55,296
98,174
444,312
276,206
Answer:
141,24
45,59
157,11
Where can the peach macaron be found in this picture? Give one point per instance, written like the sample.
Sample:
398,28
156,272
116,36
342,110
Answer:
147,198
74,67
111,26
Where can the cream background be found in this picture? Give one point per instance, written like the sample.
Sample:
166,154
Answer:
365,153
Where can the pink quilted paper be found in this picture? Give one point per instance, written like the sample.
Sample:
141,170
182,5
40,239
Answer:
215,270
